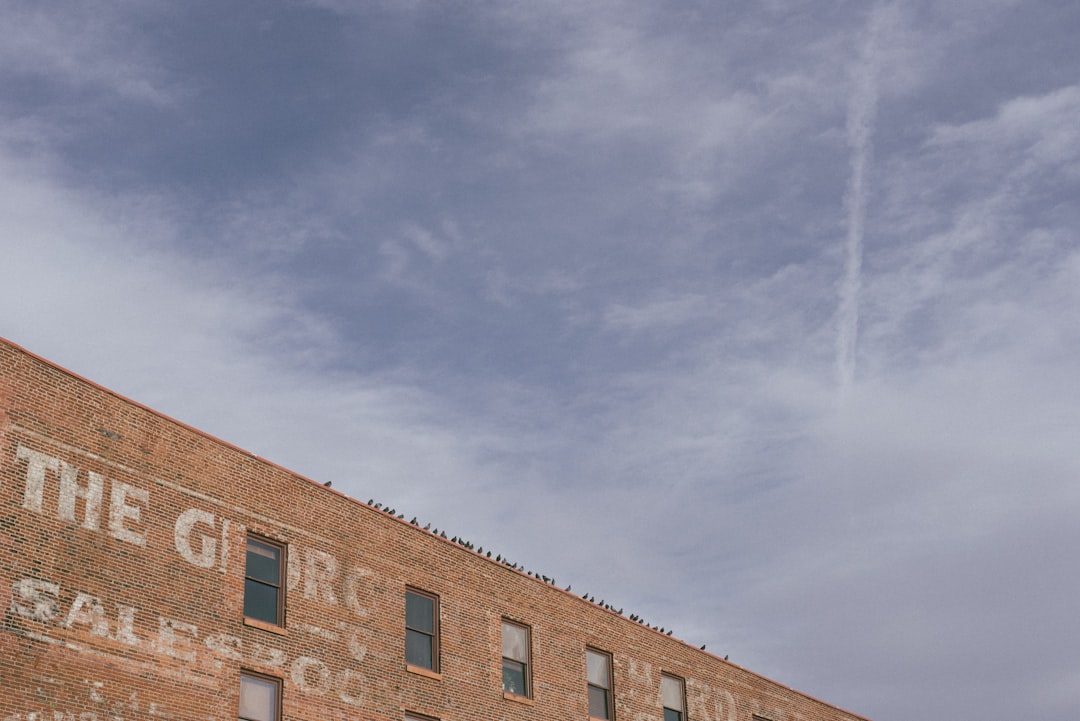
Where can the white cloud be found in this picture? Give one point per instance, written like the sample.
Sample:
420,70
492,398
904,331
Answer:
986,267
77,46
623,81
1043,127
684,429
90,284
655,313
436,249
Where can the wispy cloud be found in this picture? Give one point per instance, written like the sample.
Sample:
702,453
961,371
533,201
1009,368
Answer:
862,111
1037,125
572,270
658,313
76,48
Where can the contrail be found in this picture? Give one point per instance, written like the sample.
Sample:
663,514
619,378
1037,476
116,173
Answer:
862,112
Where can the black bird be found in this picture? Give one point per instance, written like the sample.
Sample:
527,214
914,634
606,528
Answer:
327,484
413,521
702,647
568,587
725,657
370,501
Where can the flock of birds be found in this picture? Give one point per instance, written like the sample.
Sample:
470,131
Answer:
498,558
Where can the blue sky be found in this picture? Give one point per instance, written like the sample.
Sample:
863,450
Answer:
757,319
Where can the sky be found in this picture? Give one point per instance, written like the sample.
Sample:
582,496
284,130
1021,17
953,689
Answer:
758,319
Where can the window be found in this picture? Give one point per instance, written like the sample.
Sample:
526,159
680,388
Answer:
671,689
598,665
421,629
260,698
264,597
515,651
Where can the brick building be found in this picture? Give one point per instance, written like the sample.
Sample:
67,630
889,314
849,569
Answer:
150,571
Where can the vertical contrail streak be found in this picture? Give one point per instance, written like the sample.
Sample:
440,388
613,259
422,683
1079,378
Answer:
862,111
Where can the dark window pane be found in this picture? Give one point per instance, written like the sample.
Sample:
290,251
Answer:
264,562
260,601
420,613
418,649
514,677
598,705
670,715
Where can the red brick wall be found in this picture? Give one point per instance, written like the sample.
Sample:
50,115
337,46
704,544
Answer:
129,606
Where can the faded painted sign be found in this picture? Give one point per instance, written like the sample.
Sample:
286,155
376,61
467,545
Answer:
57,488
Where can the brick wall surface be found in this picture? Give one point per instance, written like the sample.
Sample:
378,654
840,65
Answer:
122,555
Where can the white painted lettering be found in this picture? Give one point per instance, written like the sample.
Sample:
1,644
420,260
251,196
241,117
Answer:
225,645
292,569
356,646
642,673
704,703
38,599
729,704
354,582
71,490
55,716
172,644
36,465
311,675
41,600
319,574
87,610
224,545
120,511
267,655
125,625
185,522
350,688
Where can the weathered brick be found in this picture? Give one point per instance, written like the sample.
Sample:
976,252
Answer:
122,539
